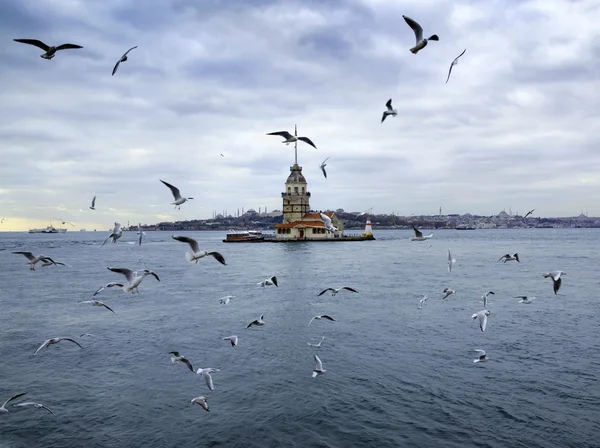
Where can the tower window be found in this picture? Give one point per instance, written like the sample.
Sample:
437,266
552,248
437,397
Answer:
302,190
296,190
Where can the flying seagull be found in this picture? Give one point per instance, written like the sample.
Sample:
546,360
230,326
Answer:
35,405
206,375
233,339
268,281
177,358
319,344
390,111
225,300
524,299
115,233
556,280
93,206
3,409
318,368
421,43
451,261
196,253
509,257
201,401
422,301
176,195
334,291
50,52
289,138
419,235
140,233
529,213
454,62
67,222
123,59
98,303
108,285
260,322
448,292
485,296
322,316
327,222
481,354
134,278
482,317
33,259
53,341
323,165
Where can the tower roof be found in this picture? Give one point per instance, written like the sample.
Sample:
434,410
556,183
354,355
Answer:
296,176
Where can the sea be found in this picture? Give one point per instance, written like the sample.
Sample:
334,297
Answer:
397,376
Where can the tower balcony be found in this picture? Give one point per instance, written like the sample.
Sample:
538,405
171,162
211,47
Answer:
294,194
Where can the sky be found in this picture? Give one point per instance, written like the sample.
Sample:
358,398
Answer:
517,125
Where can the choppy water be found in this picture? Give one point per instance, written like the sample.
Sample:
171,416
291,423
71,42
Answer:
397,376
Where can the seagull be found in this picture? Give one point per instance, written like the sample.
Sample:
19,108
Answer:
454,62
53,341
115,234
556,280
390,111
201,401
334,291
529,213
485,296
421,43
35,405
222,155
225,300
481,354
206,375
1,220
123,59
177,358
67,222
318,368
140,233
319,344
482,317
233,339
3,409
419,235
322,316
196,253
508,257
134,278
47,262
260,322
50,52
323,165
108,285
365,212
524,299
176,195
428,246
87,334
327,221
448,292
93,206
269,281
33,259
289,138
98,303
422,301
451,261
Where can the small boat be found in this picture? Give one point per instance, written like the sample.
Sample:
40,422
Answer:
244,236
49,229
465,227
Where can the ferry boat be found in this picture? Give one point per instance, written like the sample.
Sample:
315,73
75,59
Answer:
49,229
244,236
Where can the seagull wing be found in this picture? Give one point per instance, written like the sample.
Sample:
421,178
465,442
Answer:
68,47
116,67
187,363
35,42
310,322
418,233
556,284
72,340
45,344
217,256
325,316
348,288
254,322
389,105
325,290
28,255
415,27
274,280
152,273
307,140
116,228
383,117
504,257
128,273
107,307
93,201
141,234
174,190
449,71
14,397
192,242
319,364
482,317
128,51
284,134
208,379
324,172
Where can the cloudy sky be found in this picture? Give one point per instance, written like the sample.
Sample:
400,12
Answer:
516,126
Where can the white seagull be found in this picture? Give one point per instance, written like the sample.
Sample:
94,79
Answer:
233,339
35,405
481,354
93,206
289,138
482,317
206,375
115,234
419,235
327,221
176,195
134,278
196,253
421,43
390,111
33,259
334,291
97,303
319,344
323,165
50,52
454,62
485,296
524,299
509,257
260,322
448,292
225,300
268,281
140,233
177,358
422,301
556,280
201,401
123,59
451,261
53,341
322,316
3,409
319,370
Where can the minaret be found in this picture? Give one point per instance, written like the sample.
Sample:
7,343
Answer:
296,198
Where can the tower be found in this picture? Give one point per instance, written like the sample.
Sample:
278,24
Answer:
368,229
296,198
